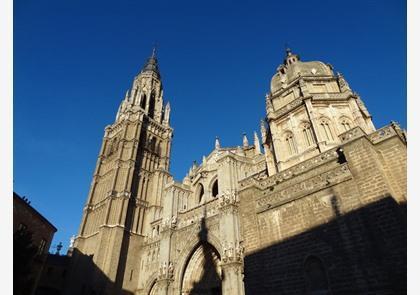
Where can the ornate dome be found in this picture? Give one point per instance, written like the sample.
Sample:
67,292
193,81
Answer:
293,67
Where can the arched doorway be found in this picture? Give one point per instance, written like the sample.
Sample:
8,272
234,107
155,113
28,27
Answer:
202,274
153,289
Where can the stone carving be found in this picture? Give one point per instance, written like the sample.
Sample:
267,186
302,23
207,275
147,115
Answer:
173,221
169,222
232,252
344,86
266,182
290,106
331,177
228,197
382,134
166,270
353,133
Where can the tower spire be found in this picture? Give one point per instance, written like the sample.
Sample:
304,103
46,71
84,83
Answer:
217,143
245,142
151,64
257,143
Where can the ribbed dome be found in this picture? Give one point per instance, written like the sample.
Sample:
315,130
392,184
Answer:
293,68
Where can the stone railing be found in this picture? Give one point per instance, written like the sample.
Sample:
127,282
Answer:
351,134
303,188
382,134
332,96
375,137
330,155
194,215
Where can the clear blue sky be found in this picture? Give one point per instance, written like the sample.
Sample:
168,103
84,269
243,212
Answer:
74,60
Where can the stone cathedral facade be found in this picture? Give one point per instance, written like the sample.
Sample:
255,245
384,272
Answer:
316,204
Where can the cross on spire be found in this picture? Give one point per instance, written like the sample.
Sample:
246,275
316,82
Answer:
154,50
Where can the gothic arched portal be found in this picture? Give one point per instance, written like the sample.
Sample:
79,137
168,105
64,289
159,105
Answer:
202,274
153,289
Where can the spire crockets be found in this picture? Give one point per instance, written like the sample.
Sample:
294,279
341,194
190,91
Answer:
151,65
257,143
217,143
245,142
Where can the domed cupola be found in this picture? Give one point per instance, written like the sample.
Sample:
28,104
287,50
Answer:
293,68
290,57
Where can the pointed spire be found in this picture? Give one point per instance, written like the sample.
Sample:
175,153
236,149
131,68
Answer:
257,143
344,86
167,112
263,130
217,143
245,142
151,64
154,52
204,160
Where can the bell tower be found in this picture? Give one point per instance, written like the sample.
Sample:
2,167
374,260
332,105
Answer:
125,196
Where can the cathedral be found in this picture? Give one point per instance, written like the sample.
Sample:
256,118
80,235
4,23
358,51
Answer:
314,204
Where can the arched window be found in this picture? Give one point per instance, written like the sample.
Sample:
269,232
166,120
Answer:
308,137
215,189
316,276
200,193
143,101
152,105
326,130
345,124
290,142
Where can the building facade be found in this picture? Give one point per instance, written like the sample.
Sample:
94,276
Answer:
32,236
316,205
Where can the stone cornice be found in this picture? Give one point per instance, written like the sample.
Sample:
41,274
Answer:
304,188
375,137
305,166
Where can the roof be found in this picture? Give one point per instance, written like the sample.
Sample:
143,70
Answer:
18,198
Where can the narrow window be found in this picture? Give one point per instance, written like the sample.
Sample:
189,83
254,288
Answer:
143,101
291,144
307,135
200,193
345,125
152,105
215,189
326,130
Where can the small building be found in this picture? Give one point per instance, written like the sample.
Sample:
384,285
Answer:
32,235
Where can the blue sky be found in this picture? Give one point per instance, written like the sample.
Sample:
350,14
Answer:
74,60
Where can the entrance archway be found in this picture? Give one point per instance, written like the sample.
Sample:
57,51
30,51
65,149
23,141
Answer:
153,289
202,274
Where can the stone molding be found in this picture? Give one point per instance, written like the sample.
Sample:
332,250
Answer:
297,169
232,252
304,188
375,137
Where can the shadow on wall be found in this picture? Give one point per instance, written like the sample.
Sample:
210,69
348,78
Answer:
84,278
362,252
202,274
